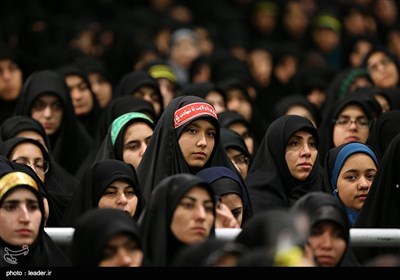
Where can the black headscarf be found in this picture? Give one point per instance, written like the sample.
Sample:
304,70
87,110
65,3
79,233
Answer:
92,232
90,119
57,194
381,208
132,81
325,131
43,252
224,181
163,156
269,181
93,184
159,244
71,143
384,129
319,207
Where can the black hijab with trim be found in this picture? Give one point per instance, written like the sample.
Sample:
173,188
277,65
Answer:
269,181
43,252
163,156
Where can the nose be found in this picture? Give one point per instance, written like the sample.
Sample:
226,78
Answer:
326,240
306,150
122,200
200,213
124,259
202,141
142,149
6,74
23,213
364,183
47,111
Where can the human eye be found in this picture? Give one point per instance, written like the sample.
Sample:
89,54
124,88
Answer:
209,207
371,176
38,106
129,192
211,133
236,212
342,121
191,130
110,192
132,146
21,161
293,142
9,206
363,122
56,106
187,204
351,178
32,205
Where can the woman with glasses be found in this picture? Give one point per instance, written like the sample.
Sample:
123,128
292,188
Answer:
30,152
383,67
348,120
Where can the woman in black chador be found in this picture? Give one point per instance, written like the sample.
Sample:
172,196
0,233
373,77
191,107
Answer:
186,139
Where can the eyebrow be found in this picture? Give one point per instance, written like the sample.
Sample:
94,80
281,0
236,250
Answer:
195,199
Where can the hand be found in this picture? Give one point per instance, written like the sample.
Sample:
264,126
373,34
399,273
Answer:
225,218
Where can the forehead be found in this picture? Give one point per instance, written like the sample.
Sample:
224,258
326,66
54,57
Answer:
20,193
352,109
204,123
48,98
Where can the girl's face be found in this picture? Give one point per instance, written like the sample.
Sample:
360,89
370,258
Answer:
136,139
327,243
48,110
20,218
197,142
352,125
194,216
382,70
301,153
120,251
355,179
119,195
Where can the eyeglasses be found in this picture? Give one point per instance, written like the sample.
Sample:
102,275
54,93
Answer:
374,67
240,160
38,165
346,122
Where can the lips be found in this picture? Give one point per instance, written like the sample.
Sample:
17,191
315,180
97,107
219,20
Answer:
24,232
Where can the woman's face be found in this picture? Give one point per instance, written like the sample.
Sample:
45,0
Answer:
235,204
197,142
136,139
121,250
20,218
352,126
237,102
81,96
216,99
301,153
119,195
243,131
48,110
31,155
32,135
193,217
355,179
327,243
382,70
